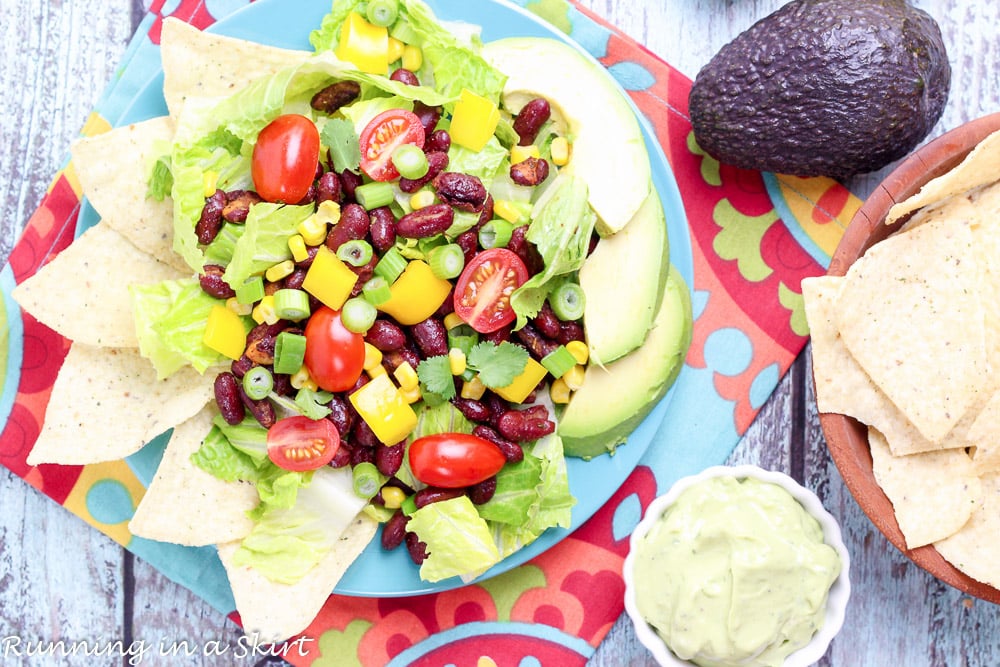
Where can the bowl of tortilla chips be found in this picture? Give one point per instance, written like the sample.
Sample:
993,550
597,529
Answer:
905,338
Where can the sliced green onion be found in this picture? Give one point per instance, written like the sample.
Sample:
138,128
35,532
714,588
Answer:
289,351
568,301
558,361
447,261
463,337
356,252
376,291
291,304
495,234
391,265
410,161
409,505
367,480
375,194
258,382
358,314
251,291
382,12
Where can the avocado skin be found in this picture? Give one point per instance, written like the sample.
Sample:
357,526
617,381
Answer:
823,88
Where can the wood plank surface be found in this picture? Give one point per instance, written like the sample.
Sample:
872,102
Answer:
60,579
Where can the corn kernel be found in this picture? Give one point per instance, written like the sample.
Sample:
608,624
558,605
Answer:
279,271
328,212
507,211
210,180
376,371
574,377
522,153
301,379
239,308
411,396
312,230
457,361
297,245
373,357
396,49
406,376
264,312
393,497
560,151
413,58
579,350
473,389
559,391
452,320
422,199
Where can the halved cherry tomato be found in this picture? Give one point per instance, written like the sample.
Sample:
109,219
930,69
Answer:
482,293
385,133
454,460
299,443
284,159
335,356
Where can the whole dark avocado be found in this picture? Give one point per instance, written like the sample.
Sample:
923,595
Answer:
823,88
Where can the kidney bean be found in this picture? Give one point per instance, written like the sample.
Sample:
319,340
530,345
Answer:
212,283
496,405
283,384
295,279
362,435
240,366
428,221
391,360
499,336
388,459
570,331
386,336
487,213
238,203
431,337
530,172
416,548
537,344
436,163
526,250
309,197
262,410
438,140
227,397
341,417
473,410
405,76
382,228
349,181
469,243
311,251
529,120
354,224
210,221
429,116
364,273
342,457
463,191
482,493
547,322
361,454
271,288
435,494
261,341
524,425
328,188
394,530
512,451
335,96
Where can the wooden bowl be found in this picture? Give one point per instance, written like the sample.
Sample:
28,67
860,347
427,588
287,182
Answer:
847,439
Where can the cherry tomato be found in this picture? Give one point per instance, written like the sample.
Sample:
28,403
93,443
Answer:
285,158
299,443
482,293
335,356
385,133
454,460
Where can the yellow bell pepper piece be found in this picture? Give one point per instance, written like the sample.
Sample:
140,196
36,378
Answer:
474,120
522,153
329,279
225,332
364,44
415,295
524,383
382,406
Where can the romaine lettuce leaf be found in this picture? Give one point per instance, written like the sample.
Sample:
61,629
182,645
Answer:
484,164
264,242
150,302
459,542
218,457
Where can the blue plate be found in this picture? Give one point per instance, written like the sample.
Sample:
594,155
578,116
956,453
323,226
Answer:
287,24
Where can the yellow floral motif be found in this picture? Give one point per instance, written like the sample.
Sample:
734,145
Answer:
740,239
508,587
709,165
340,648
793,301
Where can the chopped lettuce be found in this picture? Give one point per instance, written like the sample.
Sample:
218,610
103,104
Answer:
217,457
362,112
459,542
485,164
150,302
264,242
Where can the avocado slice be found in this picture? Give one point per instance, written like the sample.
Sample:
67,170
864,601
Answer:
614,399
623,280
608,151
823,88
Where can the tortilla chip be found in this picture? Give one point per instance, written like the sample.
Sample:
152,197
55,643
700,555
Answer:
910,313
980,166
933,494
186,505
201,64
113,169
973,549
959,207
83,292
106,404
275,612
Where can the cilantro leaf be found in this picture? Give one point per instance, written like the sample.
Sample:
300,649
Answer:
497,365
339,136
435,374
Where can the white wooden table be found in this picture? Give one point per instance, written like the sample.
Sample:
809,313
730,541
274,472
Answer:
59,578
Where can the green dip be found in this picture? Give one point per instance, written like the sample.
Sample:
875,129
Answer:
735,572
